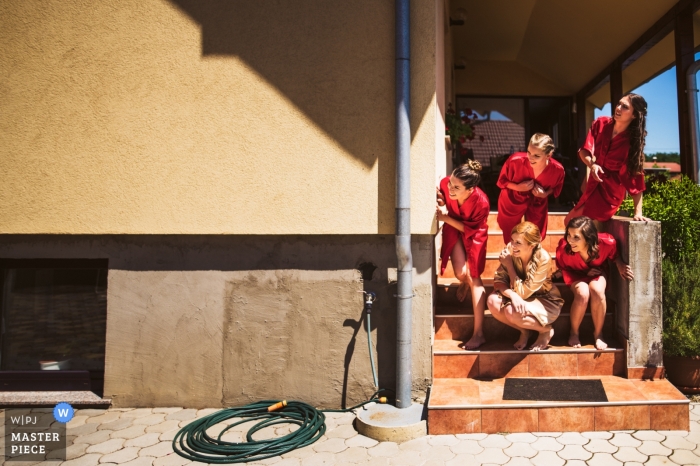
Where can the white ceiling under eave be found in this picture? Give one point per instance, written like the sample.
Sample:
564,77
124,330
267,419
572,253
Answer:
552,47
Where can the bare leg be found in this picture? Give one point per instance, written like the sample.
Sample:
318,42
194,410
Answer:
578,309
478,305
459,264
527,321
598,308
494,303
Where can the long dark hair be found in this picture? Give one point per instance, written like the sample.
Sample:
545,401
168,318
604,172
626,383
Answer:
468,173
637,132
590,234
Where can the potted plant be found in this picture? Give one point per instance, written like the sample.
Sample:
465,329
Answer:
676,204
459,126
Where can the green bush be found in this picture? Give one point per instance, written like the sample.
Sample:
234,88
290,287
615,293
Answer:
676,204
681,306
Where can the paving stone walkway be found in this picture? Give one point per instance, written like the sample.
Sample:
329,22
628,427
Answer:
142,437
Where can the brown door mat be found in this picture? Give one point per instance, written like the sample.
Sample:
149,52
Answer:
536,389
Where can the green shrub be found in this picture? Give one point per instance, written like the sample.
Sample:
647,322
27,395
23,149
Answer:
676,204
681,306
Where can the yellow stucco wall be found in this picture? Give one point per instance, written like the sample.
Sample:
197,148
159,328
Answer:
179,116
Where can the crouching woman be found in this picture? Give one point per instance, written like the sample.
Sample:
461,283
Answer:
523,296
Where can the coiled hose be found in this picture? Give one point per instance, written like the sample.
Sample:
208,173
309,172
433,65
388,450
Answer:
193,442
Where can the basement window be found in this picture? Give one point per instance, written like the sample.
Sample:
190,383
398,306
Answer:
54,320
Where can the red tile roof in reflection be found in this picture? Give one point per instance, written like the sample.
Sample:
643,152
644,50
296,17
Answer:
672,166
500,138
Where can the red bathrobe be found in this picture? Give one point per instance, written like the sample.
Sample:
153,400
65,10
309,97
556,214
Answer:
600,201
574,269
512,205
473,214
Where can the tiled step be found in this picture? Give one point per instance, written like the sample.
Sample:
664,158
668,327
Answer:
555,221
499,359
460,327
495,243
446,292
465,405
492,264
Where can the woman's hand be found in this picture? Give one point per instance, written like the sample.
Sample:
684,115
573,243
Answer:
441,213
625,270
539,191
505,257
518,303
524,186
596,172
440,197
594,272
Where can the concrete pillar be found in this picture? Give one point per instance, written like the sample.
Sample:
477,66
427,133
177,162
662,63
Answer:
685,56
638,302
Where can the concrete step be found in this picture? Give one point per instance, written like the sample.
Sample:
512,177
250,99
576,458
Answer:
468,405
498,359
461,326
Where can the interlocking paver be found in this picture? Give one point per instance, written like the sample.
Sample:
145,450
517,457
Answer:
547,444
598,445
575,463
117,424
288,462
129,432
470,447
574,452
384,449
406,458
471,436
164,426
603,459
142,461
82,430
547,458
319,459
495,441
519,461
460,460
76,421
648,435
345,432
361,441
678,443
651,447
182,415
625,440
172,460
150,420
104,418
659,461
143,441
627,454
157,450
109,446
492,455
352,455
85,460
122,456
417,444
300,453
572,438
87,412
76,451
444,440
94,438
520,449
438,453
138,412
546,434
524,437
166,410
684,457
331,445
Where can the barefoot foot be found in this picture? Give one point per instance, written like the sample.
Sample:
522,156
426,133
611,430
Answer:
462,291
574,340
474,342
599,343
522,341
543,340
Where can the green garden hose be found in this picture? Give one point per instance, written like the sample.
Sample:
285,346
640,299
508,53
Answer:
193,442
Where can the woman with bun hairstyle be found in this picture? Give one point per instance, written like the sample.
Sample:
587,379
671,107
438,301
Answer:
465,210
526,181
582,258
614,153
523,295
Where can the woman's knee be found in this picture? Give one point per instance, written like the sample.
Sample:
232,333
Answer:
494,302
581,291
597,289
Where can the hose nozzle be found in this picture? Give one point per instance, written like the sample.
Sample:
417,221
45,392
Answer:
277,406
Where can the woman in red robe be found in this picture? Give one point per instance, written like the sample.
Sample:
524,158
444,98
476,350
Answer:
614,153
465,210
582,257
526,181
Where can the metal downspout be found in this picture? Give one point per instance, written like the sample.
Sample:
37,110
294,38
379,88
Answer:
403,208
693,117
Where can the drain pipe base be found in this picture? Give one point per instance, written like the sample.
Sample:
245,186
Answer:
387,423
